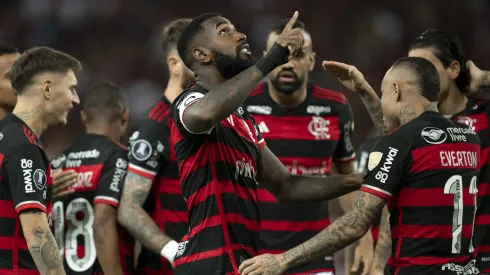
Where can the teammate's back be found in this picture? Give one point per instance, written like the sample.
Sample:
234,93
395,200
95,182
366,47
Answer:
433,207
85,221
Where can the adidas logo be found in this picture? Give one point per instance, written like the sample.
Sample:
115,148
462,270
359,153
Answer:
263,128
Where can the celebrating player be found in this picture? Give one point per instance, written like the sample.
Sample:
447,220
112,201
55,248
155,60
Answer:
426,169
85,220
308,128
8,54
153,172
45,83
221,152
445,51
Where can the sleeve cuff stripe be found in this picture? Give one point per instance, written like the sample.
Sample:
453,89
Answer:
106,200
346,159
376,191
29,205
141,171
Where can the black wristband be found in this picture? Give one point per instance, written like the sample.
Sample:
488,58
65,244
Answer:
275,57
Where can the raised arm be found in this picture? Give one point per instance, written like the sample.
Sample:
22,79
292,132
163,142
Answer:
287,187
353,80
41,243
343,232
202,113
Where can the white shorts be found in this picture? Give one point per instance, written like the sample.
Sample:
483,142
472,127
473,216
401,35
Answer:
324,273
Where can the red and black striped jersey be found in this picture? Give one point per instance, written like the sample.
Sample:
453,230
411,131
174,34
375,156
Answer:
362,160
100,165
25,184
427,170
217,171
476,115
306,139
152,157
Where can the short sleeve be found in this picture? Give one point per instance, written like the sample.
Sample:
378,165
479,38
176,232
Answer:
387,164
363,154
345,151
184,102
148,148
26,172
111,181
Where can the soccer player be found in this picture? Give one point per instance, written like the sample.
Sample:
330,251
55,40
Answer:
308,128
8,54
445,51
152,207
221,152
426,169
45,82
85,221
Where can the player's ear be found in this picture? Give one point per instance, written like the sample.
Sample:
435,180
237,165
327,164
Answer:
396,91
311,60
202,55
46,88
83,117
125,116
173,65
454,69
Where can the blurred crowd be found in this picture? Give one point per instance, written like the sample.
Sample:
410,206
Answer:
118,40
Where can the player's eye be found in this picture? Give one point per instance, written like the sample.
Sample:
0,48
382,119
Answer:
223,31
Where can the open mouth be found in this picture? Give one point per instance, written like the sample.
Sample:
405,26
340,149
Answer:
245,48
287,77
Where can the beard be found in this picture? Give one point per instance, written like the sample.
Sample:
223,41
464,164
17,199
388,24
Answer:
230,66
287,87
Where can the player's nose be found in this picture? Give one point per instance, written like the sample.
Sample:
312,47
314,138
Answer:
75,99
240,37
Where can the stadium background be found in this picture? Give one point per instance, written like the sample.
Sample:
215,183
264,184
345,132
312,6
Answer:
118,40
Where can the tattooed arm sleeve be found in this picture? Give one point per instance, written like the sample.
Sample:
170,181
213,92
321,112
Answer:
41,243
343,232
134,218
373,106
383,245
148,151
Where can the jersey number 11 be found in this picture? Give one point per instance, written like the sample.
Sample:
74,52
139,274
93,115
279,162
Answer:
454,186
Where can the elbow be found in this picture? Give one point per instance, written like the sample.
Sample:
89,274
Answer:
200,122
282,191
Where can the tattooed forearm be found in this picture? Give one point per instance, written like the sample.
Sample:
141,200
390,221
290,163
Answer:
134,218
383,245
343,232
221,101
41,243
373,106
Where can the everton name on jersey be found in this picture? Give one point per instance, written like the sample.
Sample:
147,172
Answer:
101,167
217,172
306,139
428,170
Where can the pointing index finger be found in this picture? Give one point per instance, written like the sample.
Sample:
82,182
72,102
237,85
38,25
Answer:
290,24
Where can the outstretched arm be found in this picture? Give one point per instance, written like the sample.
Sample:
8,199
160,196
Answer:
343,232
287,187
